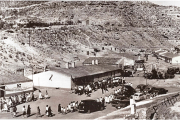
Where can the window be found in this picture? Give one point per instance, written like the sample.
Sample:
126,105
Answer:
136,95
18,85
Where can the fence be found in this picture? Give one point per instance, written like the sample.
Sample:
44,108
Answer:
162,108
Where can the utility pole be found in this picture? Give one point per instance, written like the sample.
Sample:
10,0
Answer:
145,75
32,72
29,36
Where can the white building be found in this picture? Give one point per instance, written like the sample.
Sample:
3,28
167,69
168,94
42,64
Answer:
69,77
13,84
171,58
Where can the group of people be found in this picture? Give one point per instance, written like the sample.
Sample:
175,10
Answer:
103,85
26,113
72,107
109,98
117,91
7,103
49,112
41,96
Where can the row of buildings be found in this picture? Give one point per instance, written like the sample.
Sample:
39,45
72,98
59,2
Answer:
93,69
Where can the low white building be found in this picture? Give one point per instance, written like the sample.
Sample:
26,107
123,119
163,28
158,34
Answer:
13,84
51,79
69,77
171,58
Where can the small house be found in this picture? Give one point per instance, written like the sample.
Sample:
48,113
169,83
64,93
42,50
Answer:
13,84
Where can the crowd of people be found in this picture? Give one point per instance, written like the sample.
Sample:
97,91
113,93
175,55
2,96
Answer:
7,103
12,102
103,85
72,107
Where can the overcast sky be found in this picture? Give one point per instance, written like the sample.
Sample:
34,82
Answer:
167,2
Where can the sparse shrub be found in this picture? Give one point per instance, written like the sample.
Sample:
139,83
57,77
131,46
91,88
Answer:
22,59
10,56
17,56
23,54
15,60
29,57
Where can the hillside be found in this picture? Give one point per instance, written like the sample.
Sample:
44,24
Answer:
61,32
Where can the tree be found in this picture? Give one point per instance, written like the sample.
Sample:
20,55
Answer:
154,73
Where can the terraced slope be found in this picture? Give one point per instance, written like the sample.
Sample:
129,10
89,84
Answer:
63,32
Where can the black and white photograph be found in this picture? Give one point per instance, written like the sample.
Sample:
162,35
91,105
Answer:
90,59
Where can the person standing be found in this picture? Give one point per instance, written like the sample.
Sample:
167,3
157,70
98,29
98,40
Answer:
5,107
46,95
14,111
105,87
24,111
46,111
49,112
40,95
17,99
14,99
10,101
38,112
59,108
28,111
102,87
33,96
62,109
103,101
20,99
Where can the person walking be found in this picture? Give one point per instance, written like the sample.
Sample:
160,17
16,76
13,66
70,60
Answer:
49,112
59,108
38,112
24,111
28,111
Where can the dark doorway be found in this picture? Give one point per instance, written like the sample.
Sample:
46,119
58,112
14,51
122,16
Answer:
2,91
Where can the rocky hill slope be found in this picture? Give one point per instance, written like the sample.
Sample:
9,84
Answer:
56,32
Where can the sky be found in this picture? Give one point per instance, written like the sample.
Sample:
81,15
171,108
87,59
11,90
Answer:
167,2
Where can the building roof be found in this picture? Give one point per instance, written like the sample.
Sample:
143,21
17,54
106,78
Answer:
103,60
13,78
161,51
86,70
129,56
170,55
